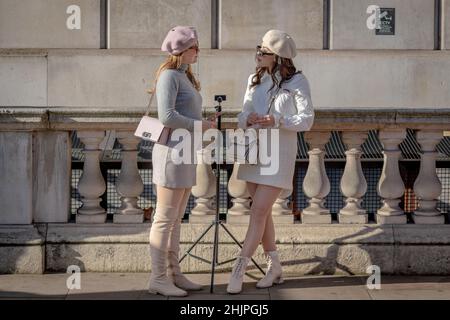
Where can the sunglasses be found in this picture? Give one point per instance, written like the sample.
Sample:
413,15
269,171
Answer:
262,53
195,47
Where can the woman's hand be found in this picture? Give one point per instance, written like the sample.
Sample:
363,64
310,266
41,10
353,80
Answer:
266,121
206,124
210,122
215,116
252,118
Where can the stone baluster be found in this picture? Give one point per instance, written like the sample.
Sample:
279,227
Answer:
129,185
427,186
316,185
205,191
240,212
390,186
281,213
91,185
353,183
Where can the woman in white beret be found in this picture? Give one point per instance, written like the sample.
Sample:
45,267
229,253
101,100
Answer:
179,106
277,98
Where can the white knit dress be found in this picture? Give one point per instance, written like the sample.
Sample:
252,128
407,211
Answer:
293,112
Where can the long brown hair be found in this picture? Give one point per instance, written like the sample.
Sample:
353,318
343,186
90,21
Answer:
174,62
284,65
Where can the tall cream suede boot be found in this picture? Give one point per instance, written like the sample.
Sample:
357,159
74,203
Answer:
237,275
178,278
174,271
159,282
163,223
274,270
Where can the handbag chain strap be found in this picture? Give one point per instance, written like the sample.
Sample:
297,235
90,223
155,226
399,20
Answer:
272,100
151,99
150,102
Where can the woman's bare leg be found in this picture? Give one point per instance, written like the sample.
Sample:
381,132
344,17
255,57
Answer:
268,239
251,187
263,197
263,200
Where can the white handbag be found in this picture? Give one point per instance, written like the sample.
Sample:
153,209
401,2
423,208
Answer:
152,129
243,149
246,151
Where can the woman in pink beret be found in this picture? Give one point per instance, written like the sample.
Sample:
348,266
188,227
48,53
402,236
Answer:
179,106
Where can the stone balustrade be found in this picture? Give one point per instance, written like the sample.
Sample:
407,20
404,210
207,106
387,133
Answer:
33,173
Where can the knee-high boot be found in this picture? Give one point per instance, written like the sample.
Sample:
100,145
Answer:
174,270
163,223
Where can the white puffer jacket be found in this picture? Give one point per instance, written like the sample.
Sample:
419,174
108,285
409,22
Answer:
292,107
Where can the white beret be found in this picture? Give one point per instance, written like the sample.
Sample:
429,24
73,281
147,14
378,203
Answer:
280,43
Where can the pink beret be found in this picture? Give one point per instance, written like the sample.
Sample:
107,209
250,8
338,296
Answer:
179,39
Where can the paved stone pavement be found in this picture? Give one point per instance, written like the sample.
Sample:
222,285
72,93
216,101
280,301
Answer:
133,286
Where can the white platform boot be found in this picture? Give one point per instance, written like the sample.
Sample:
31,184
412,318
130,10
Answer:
273,273
237,275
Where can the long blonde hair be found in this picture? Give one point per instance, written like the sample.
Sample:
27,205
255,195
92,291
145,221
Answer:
174,62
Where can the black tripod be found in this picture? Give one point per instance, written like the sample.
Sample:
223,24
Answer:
217,222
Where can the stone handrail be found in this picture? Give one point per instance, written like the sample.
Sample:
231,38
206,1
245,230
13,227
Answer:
52,126
81,118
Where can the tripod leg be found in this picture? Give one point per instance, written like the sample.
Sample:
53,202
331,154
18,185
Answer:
217,219
196,242
215,254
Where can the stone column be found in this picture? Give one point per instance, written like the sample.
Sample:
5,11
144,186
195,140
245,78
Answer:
281,213
52,155
353,182
316,185
390,186
16,178
91,185
427,186
240,212
205,191
130,185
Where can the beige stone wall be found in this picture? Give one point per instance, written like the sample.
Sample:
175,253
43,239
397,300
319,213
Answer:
145,23
71,69
119,78
241,23
244,22
414,25
43,24
333,249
